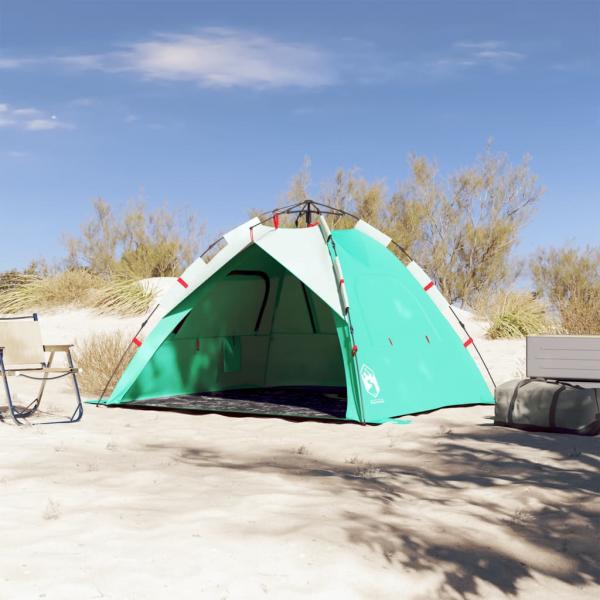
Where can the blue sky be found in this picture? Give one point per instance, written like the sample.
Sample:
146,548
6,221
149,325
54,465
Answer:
214,105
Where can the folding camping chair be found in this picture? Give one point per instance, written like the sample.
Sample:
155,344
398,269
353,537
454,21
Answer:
22,354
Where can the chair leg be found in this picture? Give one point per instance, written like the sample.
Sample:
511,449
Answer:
18,415
76,416
14,413
78,412
38,400
34,405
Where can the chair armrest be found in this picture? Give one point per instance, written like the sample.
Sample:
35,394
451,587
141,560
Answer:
57,347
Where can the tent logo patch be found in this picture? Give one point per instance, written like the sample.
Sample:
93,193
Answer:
369,380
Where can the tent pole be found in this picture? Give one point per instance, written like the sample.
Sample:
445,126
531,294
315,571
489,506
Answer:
333,255
464,327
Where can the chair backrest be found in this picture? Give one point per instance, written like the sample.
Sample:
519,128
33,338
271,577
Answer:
22,342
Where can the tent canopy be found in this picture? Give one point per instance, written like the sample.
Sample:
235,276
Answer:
272,325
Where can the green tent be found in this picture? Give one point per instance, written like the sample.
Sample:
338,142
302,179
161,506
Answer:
303,322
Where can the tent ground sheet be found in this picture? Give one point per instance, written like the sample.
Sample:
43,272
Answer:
304,402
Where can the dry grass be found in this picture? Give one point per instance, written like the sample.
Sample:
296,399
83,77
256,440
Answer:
10,279
123,297
580,315
515,315
98,356
21,292
31,292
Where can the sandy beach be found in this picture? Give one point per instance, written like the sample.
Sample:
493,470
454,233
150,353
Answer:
325,211
132,504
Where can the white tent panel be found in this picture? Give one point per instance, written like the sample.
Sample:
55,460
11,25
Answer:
304,253
372,232
241,234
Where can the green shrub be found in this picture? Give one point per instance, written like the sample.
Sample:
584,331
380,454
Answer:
460,228
581,314
137,243
569,280
516,315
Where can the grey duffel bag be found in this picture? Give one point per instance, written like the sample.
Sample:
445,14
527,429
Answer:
540,405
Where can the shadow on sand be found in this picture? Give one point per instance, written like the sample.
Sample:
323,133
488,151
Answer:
558,537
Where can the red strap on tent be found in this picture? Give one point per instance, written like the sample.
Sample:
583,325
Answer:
137,342
276,221
342,281
182,282
429,286
468,342
354,350
313,224
197,344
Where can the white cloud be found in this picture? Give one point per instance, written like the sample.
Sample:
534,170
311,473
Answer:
499,55
228,58
218,58
84,61
29,119
15,63
26,112
488,53
43,124
485,45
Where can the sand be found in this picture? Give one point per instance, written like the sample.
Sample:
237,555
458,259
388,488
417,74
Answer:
141,504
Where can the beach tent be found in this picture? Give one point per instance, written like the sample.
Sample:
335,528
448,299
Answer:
303,322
